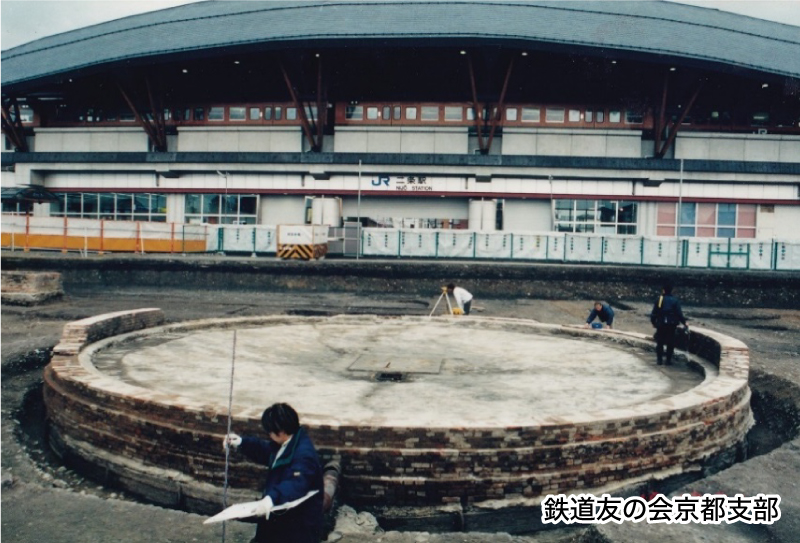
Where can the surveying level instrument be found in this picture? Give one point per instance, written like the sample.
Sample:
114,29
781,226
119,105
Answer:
446,299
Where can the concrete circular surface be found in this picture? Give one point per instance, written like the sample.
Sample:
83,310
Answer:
451,373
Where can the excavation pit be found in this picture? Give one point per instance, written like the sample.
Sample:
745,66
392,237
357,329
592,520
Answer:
485,409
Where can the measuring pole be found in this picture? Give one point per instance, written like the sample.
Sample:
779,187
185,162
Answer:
678,219
358,212
227,447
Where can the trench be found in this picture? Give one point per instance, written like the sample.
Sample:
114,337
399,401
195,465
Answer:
775,403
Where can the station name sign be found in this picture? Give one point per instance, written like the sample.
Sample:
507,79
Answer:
403,183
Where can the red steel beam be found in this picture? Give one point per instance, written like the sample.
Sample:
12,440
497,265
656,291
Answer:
158,120
12,127
497,117
674,132
475,104
146,126
661,116
321,113
302,111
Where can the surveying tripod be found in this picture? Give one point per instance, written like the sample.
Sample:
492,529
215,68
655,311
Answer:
446,299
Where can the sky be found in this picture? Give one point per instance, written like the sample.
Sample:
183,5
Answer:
28,20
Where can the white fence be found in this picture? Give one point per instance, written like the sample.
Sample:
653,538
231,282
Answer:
584,248
89,235
92,235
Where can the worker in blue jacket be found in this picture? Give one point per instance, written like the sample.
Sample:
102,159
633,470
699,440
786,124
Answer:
665,317
294,470
603,313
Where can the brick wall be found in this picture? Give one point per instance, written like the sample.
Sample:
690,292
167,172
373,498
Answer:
29,288
132,430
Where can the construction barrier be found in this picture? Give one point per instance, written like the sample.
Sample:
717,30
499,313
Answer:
747,254
302,241
307,242
26,232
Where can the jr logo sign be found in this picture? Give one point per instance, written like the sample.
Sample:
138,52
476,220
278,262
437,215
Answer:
403,182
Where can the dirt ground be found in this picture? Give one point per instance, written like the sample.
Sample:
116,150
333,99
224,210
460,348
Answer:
42,501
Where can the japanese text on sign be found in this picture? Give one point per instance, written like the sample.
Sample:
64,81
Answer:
705,509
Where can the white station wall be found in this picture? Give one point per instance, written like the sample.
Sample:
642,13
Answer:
91,140
749,147
410,208
275,210
527,216
242,139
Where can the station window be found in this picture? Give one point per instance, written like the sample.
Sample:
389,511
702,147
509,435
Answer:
291,113
614,116
254,113
554,115
236,113
574,115
25,113
372,113
221,208
531,115
511,114
396,112
430,113
600,116
311,113
111,206
411,113
634,117
278,113
589,116
760,118
355,113
453,113
387,113
707,220
216,113
599,216
416,223
268,113
14,207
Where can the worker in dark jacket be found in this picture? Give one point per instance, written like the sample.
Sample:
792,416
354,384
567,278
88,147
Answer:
601,312
665,317
294,470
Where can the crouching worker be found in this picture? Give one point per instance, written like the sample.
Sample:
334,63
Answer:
603,313
462,297
294,470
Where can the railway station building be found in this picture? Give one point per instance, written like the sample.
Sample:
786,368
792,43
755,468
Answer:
647,119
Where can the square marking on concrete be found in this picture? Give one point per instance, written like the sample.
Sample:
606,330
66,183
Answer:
393,363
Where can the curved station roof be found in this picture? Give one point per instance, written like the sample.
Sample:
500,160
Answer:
674,32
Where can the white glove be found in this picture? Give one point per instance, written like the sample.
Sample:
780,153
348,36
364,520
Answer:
231,440
264,507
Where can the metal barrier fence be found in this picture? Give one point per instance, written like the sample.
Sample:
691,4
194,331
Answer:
101,236
91,235
747,254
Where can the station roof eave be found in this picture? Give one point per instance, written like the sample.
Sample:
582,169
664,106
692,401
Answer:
654,30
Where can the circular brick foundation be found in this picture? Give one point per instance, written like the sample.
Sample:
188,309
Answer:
166,446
